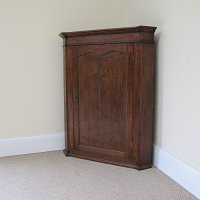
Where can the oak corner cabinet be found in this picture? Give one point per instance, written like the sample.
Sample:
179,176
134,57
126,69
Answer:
109,80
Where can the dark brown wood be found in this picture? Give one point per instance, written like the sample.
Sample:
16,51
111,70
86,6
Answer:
111,38
137,29
108,78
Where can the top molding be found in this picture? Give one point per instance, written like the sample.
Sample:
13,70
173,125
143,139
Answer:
141,34
147,29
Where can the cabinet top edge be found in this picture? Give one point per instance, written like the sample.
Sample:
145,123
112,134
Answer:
148,29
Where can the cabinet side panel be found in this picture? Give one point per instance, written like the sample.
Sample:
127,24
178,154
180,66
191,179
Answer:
136,99
69,108
65,97
146,107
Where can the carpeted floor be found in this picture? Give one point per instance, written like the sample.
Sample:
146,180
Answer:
52,176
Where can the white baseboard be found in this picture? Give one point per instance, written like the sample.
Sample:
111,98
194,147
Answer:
179,171
35,144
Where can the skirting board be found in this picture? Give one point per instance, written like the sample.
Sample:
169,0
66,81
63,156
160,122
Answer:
182,173
35,144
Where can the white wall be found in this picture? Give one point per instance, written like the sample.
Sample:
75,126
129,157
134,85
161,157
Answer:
31,76
178,72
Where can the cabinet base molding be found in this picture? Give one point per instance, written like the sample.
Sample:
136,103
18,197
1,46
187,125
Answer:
108,161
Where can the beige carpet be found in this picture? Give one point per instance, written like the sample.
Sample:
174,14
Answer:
52,176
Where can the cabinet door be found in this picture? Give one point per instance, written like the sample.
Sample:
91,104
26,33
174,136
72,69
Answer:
102,101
